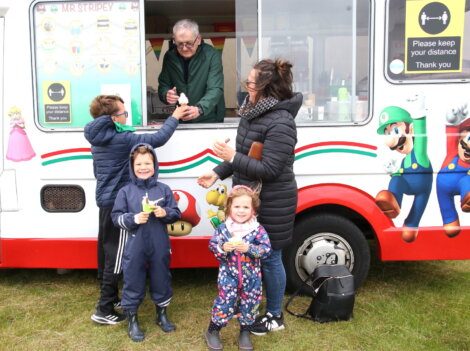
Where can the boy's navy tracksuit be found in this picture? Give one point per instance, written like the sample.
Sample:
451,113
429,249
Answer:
148,245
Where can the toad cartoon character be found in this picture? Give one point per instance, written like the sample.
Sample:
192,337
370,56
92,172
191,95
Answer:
190,214
405,133
454,177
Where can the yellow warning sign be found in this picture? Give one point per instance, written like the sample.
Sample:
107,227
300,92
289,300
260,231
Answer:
434,36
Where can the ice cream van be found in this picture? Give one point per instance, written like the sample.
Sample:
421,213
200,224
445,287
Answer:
383,153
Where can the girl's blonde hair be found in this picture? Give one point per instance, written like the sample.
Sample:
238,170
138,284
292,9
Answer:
240,190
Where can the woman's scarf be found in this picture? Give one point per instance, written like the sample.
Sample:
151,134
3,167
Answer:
239,230
249,110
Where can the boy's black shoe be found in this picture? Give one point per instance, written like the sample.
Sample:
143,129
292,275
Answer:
110,319
267,323
133,329
163,321
117,304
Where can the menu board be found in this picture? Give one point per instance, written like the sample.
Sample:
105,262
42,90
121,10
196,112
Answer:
82,49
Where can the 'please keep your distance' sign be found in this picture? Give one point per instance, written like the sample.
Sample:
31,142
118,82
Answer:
433,34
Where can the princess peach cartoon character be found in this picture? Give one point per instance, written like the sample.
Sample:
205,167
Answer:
19,147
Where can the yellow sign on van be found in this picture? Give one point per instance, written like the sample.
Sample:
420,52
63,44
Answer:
434,36
56,100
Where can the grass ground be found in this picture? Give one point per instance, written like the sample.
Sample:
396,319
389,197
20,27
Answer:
402,306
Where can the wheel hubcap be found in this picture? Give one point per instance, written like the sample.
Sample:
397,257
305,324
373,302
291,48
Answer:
320,249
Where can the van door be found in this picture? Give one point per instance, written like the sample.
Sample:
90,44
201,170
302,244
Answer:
2,23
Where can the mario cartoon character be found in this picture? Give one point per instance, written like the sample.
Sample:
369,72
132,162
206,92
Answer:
405,133
217,197
189,214
19,147
454,177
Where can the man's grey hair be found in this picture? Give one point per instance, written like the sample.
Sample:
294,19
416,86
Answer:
186,24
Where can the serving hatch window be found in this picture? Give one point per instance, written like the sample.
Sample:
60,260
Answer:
328,43
428,41
82,49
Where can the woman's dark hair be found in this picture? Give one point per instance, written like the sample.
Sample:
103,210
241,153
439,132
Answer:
274,78
105,105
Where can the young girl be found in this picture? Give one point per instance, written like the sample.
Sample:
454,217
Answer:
238,244
144,207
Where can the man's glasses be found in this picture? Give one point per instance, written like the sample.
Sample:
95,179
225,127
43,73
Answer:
187,45
125,114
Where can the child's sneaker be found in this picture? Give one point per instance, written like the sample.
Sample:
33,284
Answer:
112,318
267,323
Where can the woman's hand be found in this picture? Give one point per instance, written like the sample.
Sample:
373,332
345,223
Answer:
224,151
181,112
208,179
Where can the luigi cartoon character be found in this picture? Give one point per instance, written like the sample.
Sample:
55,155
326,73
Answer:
405,133
454,177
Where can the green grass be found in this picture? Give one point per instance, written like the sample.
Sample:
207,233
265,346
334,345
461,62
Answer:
402,306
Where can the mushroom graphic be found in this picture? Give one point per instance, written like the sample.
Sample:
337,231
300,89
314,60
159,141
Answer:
190,216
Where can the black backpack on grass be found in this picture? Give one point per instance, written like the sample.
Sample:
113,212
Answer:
333,294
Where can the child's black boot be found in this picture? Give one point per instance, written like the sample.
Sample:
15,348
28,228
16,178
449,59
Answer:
163,321
244,340
212,337
133,329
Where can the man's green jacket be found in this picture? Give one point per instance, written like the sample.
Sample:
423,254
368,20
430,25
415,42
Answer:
205,86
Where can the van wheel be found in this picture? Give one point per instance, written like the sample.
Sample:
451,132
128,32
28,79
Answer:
325,239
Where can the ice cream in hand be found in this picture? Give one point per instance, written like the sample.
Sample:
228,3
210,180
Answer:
183,100
235,240
147,205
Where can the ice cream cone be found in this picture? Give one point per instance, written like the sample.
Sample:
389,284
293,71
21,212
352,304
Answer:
183,100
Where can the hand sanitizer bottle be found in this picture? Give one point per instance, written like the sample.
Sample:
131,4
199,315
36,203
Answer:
343,101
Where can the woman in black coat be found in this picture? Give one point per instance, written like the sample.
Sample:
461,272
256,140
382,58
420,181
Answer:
267,116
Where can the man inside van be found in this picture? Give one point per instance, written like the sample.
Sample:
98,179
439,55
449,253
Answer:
194,68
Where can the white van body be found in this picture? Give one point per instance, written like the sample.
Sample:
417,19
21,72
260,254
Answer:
352,59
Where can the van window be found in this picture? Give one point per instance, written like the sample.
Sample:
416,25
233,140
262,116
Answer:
328,43
216,21
82,49
428,41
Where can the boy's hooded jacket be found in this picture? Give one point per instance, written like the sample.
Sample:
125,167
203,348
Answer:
147,244
129,203
111,149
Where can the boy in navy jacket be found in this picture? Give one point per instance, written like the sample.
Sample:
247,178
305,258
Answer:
143,208
111,141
